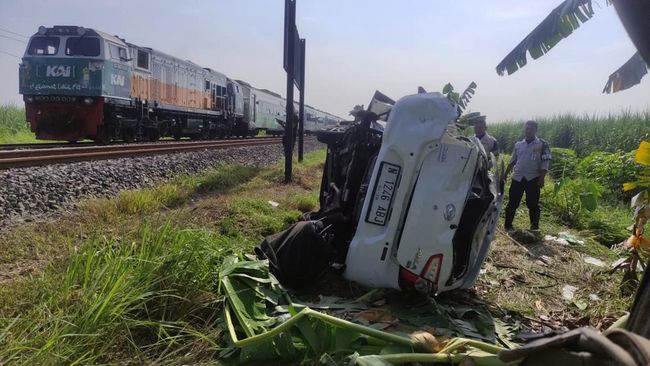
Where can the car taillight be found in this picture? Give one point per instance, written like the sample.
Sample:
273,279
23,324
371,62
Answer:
427,281
409,281
431,270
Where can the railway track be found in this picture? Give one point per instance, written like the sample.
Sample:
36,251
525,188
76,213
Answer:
44,156
65,145
45,145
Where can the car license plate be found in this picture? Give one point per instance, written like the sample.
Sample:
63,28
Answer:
382,194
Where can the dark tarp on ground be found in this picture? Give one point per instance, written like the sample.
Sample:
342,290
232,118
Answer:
298,255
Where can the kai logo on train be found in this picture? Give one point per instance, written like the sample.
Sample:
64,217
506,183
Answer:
58,71
117,79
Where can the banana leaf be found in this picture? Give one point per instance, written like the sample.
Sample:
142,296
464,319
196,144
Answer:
261,330
467,95
628,75
559,24
450,319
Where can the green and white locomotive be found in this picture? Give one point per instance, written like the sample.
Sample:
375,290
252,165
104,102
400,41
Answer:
80,83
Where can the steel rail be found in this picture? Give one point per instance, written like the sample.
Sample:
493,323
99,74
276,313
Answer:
44,145
24,158
73,145
120,147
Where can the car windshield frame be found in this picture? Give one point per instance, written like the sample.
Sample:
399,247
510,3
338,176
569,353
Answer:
83,46
44,43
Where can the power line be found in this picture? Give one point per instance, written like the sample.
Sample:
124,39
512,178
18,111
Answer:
13,39
14,33
10,54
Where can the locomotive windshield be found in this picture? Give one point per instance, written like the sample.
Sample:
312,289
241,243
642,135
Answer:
82,46
43,46
117,52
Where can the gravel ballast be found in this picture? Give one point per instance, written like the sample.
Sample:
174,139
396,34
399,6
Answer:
27,194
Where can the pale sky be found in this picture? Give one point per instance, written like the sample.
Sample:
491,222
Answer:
357,46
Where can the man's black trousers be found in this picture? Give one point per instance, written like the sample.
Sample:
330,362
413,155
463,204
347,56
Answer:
517,189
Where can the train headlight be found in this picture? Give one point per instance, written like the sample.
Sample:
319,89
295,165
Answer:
88,101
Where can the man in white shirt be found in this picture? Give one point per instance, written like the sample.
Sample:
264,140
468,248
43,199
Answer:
530,159
489,142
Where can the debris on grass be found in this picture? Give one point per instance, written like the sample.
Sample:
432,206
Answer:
595,261
580,304
517,282
571,239
563,238
545,259
568,292
569,295
555,240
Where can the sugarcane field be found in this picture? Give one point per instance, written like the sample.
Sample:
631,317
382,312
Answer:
294,182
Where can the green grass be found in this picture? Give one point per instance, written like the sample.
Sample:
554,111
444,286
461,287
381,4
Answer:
13,126
149,296
133,279
177,192
584,134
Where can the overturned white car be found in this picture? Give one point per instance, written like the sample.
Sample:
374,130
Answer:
406,204
430,212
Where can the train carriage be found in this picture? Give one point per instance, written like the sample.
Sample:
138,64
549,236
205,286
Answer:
270,112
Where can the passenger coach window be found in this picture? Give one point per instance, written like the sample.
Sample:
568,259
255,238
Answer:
43,46
143,60
82,46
